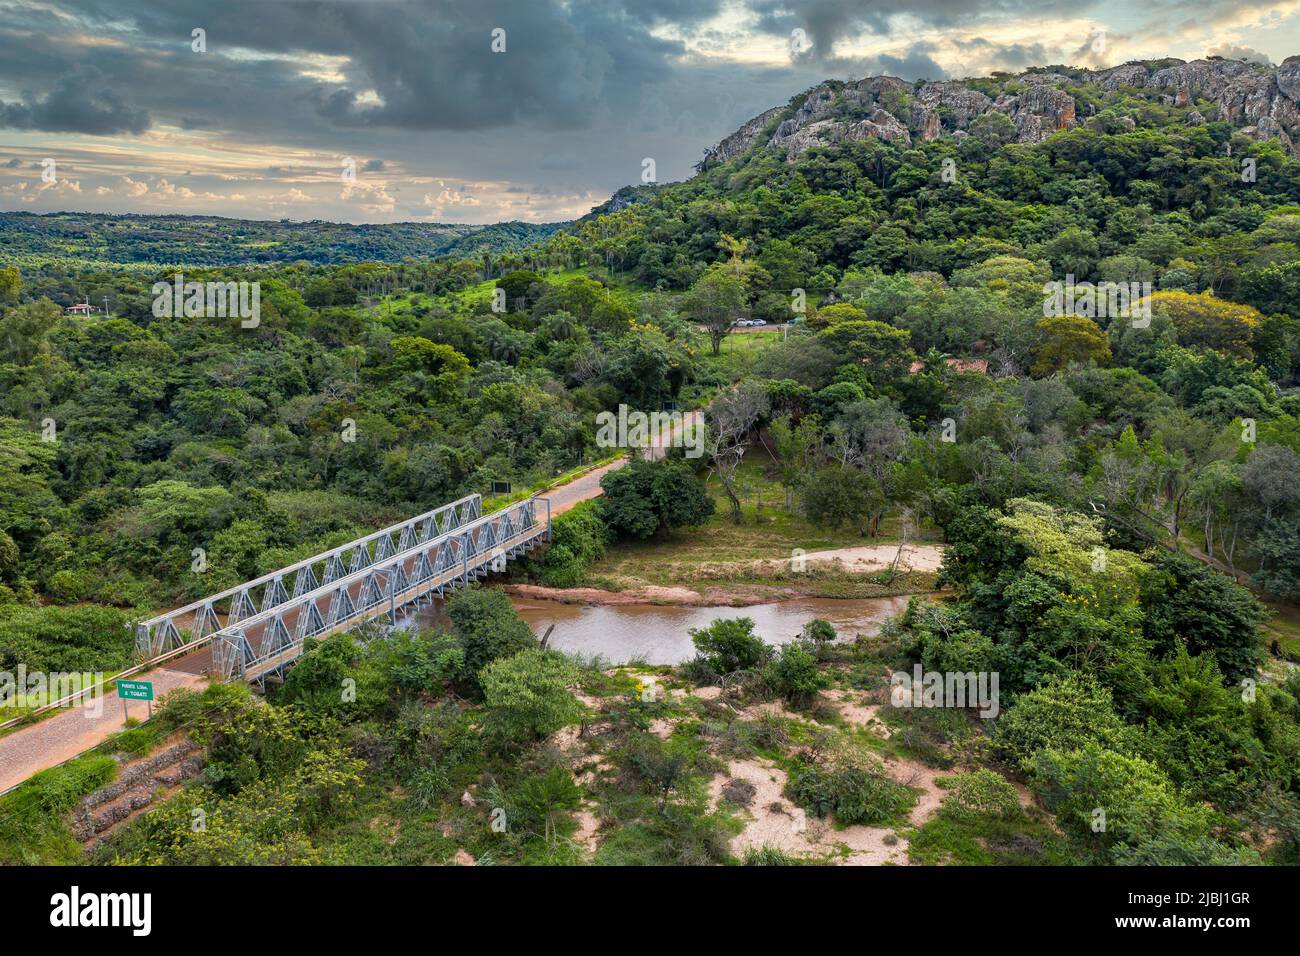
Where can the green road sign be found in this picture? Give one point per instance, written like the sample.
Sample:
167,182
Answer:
135,689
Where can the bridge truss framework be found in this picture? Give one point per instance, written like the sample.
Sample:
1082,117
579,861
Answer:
262,645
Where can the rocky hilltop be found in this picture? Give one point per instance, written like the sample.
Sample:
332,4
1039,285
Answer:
1261,101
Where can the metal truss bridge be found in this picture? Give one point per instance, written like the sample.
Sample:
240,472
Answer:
255,630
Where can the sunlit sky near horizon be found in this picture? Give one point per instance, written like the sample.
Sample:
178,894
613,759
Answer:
442,129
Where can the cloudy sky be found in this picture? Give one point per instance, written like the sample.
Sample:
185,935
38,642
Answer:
256,108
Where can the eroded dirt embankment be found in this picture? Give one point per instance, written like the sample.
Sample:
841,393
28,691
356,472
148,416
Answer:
925,559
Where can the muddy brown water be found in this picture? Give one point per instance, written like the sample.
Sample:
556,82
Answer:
659,634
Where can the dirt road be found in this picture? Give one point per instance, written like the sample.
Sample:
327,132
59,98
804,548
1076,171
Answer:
74,731
587,486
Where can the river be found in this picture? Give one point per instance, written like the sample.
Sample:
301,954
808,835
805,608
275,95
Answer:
660,634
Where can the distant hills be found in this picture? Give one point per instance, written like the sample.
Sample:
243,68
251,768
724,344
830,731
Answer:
217,241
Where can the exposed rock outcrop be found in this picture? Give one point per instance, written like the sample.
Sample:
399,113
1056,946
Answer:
1262,102
1038,112
952,99
882,125
745,137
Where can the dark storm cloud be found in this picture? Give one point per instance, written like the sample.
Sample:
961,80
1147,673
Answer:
916,64
1007,55
78,103
427,66
410,64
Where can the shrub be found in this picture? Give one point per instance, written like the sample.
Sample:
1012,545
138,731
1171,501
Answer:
662,765
70,586
526,696
819,631
768,856
423,663
1139,803
981,795
1184,600
319,681
678,835
730,644
488,628
739,791
536,801
794,674
578,538
853,792
1064,714
648,497
427,787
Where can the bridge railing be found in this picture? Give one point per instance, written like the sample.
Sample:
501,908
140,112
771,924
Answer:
265,642
162,634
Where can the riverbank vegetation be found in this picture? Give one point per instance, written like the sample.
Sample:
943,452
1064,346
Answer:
475,746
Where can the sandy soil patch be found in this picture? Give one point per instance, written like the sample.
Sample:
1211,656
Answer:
776,822
917,557
919,777
852,709
588,825
565,739
645,595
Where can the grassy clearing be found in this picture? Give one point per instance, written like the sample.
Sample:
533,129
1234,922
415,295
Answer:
747,343
1284,627
739,352
722,554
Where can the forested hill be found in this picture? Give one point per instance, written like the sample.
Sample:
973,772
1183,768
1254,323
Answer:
216,241
1180,174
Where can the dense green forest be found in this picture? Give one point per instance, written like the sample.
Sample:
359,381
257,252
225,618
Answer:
27,239
1119,500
